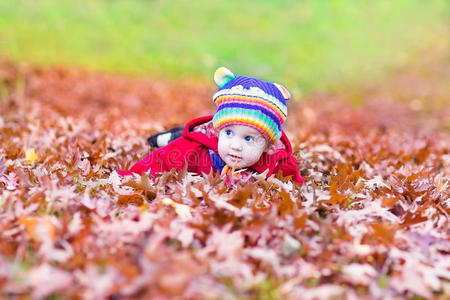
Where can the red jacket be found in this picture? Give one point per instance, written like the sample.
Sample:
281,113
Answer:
193,149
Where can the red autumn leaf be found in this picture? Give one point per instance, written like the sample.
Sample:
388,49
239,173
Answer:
413,218
287,204
135,198
384,232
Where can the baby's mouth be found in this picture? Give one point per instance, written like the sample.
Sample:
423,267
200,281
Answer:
234,157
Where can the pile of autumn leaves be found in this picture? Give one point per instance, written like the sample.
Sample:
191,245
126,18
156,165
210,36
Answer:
371,219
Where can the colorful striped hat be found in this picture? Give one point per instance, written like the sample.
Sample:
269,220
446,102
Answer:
250,101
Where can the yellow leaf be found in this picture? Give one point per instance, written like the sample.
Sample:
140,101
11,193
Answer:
39,228
182,210
167,201
31,155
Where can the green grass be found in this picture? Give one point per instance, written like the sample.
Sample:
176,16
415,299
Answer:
308,45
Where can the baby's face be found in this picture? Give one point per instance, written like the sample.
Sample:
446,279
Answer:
241,146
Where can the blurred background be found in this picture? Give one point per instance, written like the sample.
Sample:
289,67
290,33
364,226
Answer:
310,46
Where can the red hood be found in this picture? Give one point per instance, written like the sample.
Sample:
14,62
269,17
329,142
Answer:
266,159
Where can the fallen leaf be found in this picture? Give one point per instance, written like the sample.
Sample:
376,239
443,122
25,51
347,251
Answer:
182,210
31,156
39,228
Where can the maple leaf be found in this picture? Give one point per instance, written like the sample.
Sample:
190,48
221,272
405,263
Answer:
287,204
60,252
134,198
290,245
47,280
262,176
10,181
359,274
175,278
183,233
416,279
300,220
97,282
183,211
21,210
31,156
241,196
165,177
39,228
2,164
376,182
76,225
149,189
413,218
85,166
287,178
384,232
224,242
267,256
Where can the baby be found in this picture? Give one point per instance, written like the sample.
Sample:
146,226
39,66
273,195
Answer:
244,134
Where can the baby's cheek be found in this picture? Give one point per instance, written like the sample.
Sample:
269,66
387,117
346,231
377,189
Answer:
253,156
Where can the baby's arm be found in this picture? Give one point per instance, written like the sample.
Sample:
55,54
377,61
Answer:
163,159
152,161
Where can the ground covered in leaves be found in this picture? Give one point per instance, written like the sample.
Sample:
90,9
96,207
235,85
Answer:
371,220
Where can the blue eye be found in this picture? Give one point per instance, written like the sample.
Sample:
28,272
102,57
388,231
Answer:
229,132
249,138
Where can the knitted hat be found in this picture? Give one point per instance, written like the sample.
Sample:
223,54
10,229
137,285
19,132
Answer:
250,101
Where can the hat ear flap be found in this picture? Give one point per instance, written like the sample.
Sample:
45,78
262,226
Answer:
222,76
283,91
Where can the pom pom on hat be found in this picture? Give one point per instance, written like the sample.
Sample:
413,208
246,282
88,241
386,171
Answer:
250,101
222,76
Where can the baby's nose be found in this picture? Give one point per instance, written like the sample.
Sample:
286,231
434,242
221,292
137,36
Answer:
236,145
